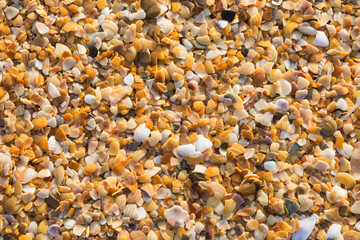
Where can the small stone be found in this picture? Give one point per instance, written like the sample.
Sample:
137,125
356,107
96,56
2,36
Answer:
151,7
144,58
291,205
10,205
228,15
197,176
93,52
52,202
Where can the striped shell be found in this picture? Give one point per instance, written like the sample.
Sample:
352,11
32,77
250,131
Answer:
131,211
141,133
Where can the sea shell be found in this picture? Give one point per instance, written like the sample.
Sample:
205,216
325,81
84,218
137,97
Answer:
187,150
341,104
285,87
229,207
306,28
42,28
212,54
321,39
110,28
328,153
246,68
141,133
355,163
166,25
11,12
131,211
355,208
54,230
329,126
155,138
306,226
336,194
334,231
218,190
68,63
346,151
176,216
202,144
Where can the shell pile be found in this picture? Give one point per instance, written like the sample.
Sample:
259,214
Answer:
168,119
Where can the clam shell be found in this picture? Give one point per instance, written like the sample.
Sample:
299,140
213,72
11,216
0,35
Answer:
110,28
246,68
328,127
346,151
131,211
141,133
334,231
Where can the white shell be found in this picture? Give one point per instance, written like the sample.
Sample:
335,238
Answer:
341,104
11,12
42,28
138,15
89,99
321,39
306,227
53,91
129,79
285,87
346,151
212,54
187,150
176,214
307,29
141,133
334,231
221,24
328,153
202,144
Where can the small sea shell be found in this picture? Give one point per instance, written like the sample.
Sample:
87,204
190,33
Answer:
202,144
229,207
68,63
187,150
110,28
355,163
11,12
285,87
222,24
246,68
176,216
282,104
218,190
328,153
54,230
334,231
141,133
155,138
346,151
306,226
306,28
212,54
131,211
42,28
321,39
355,208
329,126
166,25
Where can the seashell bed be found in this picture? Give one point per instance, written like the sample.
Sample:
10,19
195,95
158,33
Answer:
168,119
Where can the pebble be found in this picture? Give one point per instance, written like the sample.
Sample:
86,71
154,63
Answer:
228,15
